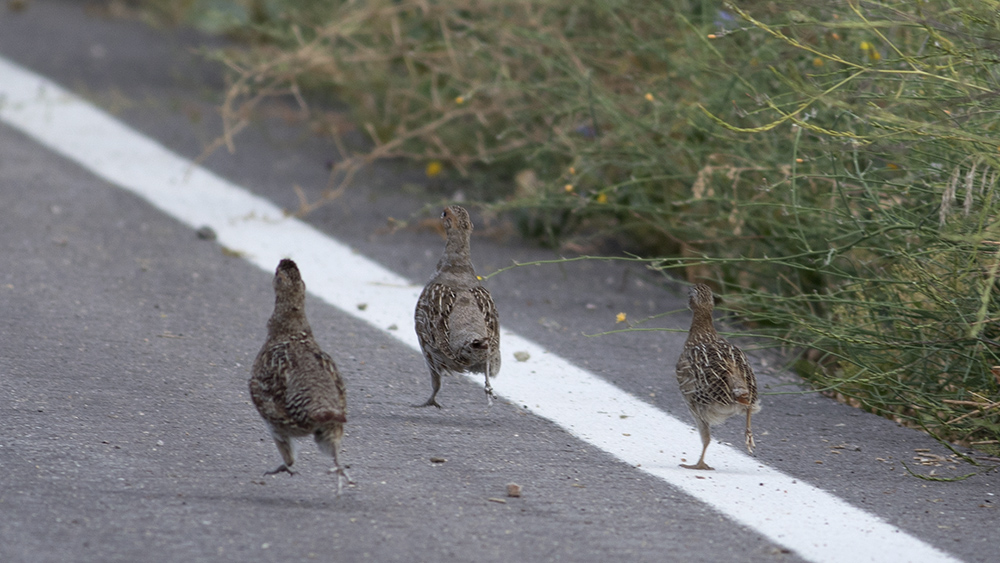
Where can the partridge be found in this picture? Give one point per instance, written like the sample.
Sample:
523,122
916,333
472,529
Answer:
714,376
456,320
294,384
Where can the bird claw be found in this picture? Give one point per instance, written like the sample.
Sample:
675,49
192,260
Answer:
430,403
489,392
749,435
342,476
281,469
699,465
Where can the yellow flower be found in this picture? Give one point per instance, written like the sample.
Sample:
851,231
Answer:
568,188
480,278
649,96
817,62
871,51
433,169
620,318
572,170
602,198
712,36
460,100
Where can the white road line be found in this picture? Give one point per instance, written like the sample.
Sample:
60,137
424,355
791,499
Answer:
817,525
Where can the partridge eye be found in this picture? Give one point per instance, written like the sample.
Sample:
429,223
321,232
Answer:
444,214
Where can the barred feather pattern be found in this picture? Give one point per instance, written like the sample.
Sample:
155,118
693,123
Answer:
296,387
294,384
450,350
456,319
714,376
716,380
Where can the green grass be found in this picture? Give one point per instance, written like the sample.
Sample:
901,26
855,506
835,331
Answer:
831,167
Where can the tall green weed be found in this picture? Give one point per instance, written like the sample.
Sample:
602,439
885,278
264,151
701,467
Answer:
831,165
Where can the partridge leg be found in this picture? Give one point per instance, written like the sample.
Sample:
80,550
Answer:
287,449
435,387
706,439
328,441
489,388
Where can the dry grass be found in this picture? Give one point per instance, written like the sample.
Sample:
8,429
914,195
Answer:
836,163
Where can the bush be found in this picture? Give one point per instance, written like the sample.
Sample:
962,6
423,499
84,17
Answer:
833,163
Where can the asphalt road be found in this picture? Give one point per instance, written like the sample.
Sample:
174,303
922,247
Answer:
127,433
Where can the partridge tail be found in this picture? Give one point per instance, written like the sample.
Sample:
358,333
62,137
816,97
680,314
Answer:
329,415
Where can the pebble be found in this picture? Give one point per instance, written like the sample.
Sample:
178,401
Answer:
206,233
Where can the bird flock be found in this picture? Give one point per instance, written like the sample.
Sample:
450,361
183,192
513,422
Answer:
298,391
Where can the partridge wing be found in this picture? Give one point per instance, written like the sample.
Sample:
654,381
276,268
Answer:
710,369
269,381
433,311
315,390
484,301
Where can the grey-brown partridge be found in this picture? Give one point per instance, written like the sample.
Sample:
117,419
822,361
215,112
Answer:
714,376
456,320
294,384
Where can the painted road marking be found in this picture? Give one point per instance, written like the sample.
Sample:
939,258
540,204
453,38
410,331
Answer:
817,525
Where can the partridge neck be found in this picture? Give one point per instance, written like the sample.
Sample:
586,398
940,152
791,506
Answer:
288,319
456,254
701,324
457,246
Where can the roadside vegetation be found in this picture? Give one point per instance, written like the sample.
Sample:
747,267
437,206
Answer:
831,167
